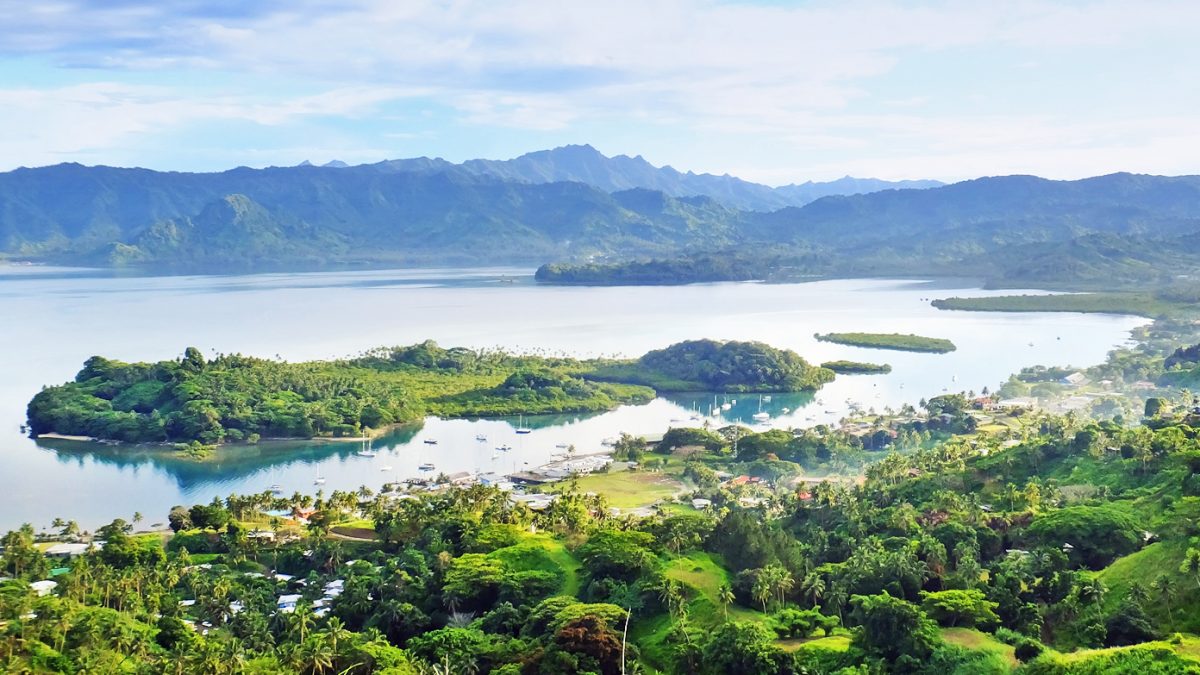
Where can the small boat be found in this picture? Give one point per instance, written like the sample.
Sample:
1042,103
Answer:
504,448
427,467
726,406
761,416
319,481
366,453
766,399
785,410
275,489
562,445
386,468
481,438
430,441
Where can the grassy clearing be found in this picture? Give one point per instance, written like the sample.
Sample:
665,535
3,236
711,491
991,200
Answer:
1143,567
837,642
1150,657
360,533
893,341
969,638
543,553
702,576
627,489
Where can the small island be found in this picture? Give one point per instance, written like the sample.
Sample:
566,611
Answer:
709,365
669,272
843,367
235,398
894,341
1138,304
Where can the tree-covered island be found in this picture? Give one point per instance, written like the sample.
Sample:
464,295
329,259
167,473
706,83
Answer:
894,341
234,398
843,367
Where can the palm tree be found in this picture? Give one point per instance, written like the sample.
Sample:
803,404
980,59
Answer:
1138,593
1191,564
814,587
1092,591
671,596
761,589
725,597
1166,592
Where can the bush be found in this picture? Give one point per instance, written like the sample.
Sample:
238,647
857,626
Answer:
1028,650
1098,534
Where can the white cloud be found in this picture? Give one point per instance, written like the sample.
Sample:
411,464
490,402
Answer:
800,78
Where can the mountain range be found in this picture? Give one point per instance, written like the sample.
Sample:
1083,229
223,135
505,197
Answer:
585,164
574,204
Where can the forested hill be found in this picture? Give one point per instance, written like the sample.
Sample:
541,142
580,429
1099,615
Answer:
1016,227
253,218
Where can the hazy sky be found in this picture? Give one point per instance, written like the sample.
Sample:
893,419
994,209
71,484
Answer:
776,92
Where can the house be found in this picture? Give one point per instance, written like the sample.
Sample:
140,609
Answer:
700,504
535,502
70,550
1018,402
44,587
1075,379
461,478
287,603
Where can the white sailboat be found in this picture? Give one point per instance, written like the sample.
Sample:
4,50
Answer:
366,450
761,416
521,428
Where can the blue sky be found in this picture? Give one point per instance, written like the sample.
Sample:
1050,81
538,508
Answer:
776,92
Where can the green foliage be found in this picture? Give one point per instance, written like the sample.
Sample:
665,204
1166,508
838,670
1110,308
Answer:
680,437
238,398
617,554
741,647
843,367
896,341
1097,535
709,365
960,608
892,629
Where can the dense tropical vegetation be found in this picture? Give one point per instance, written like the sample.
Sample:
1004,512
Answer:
233,398
711,365
1068,547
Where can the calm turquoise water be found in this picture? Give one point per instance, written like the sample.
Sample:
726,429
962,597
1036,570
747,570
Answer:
54,319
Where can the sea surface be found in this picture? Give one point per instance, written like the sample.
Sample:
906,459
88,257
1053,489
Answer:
51,320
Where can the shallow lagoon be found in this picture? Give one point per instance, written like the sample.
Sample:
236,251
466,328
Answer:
54,319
